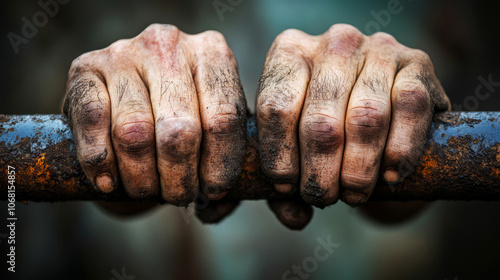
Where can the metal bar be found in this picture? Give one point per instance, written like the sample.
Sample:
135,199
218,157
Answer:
462,162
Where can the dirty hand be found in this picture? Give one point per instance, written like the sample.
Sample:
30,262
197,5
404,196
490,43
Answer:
164,113
336,110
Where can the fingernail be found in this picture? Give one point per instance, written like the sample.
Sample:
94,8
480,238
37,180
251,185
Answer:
283,188
105,183
391,176
354,198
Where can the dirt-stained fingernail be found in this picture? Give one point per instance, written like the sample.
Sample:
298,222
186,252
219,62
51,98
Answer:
391,176
283,188
105,183
354,198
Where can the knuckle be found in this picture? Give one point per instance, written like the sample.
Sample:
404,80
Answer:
277,148
412,97
92,114
273,121
346,30
273,109
421,57
359,183
211,45
159,37
318,193
286,174
77,64
321,133
178,138
119,46
160,27
118,51
289,40
85,62
214,37
134,138
290,35
368,114
223,125
84,59
343,38
93,156
157,30
384,39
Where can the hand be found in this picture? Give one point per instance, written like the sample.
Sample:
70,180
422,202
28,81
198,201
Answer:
163,112
336,110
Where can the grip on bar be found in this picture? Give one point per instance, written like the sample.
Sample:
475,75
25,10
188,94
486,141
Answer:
461,162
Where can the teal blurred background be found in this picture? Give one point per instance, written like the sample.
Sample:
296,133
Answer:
451,240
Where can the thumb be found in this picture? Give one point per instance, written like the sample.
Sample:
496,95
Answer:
216,211
293,214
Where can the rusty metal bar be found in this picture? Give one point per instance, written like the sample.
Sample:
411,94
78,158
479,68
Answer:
462,162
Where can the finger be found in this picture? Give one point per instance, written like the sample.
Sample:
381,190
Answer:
222,112
367,124
176,114
216,211
412,103
87,106
293,214
282,88
321,130
133,133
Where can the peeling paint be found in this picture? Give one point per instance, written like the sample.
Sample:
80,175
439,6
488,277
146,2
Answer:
462,161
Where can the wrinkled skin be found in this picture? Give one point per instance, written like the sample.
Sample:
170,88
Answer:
164,113
336,110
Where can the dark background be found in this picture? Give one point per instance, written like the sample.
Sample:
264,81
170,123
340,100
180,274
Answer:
451,240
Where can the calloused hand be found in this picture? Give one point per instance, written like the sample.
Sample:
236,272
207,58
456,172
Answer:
336,110
164,113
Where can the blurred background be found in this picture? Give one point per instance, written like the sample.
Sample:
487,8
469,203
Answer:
450,240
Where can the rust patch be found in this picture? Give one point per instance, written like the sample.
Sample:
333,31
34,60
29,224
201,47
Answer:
39,170
498,152
456,169
454,118
496,170
4,118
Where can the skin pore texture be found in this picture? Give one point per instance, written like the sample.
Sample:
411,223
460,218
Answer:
164,113
336,110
